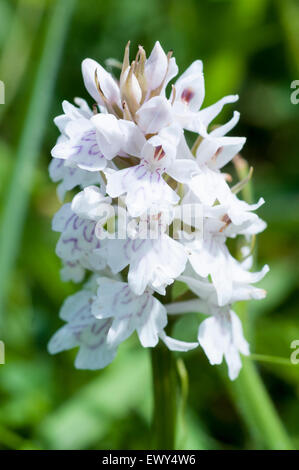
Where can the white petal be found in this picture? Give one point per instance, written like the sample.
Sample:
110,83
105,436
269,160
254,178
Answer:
237,332
224,129
213,258
208,114
238,344
227,148
239,211
61,218
94,358
157,263
156,67
154,115
183,170
95,352
62,340
132,138
233,360
71,177
149,331
61,122
209,185
107,83
73,112
130,312
121,330
72,271
207,149
190,86
91,204
177,345
83,106
247,292
212,339
108,134
241,275
141,268
202,288
172,71
89,67
119,253
77,243
76,307
81,149
144,188
85,331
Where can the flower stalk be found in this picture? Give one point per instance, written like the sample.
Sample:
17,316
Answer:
248,390
255,404
165,398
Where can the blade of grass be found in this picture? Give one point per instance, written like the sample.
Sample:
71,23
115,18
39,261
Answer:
30,142
258,410
17,49
6,16
288,12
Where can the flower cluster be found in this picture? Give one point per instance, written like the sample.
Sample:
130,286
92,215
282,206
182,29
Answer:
137,177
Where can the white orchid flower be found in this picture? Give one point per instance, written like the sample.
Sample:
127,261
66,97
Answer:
135,179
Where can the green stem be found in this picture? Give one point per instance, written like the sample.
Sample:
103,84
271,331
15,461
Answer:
248,390
29,147
258,410
165,398
182,408
282,361
255,403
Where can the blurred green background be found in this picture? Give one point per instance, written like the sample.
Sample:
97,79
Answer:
250,47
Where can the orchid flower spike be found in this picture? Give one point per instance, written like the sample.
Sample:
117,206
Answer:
147,210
